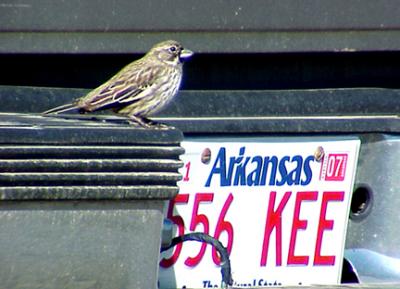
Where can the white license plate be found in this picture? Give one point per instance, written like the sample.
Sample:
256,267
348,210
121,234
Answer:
279,205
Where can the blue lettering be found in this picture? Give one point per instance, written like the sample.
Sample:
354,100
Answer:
274,162
253,179
240,174
263,169
282,171
230,169
295,174
307,170
261,282
219,167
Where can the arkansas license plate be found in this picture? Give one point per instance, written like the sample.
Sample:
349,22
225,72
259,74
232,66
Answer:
280,206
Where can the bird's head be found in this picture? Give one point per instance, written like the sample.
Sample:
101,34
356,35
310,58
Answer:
170,52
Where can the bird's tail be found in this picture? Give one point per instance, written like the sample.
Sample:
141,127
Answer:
66,108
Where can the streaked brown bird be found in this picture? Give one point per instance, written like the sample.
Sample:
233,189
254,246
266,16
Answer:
140,89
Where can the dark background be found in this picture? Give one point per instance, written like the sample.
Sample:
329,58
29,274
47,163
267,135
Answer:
214,71
239,45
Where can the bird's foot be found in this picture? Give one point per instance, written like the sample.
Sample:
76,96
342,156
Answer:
148,123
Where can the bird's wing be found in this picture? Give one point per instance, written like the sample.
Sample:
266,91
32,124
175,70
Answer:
125,87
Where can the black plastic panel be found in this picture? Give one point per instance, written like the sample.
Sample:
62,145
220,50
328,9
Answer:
122,26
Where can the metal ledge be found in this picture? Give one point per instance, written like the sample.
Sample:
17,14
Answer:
283,125
356,110
29,128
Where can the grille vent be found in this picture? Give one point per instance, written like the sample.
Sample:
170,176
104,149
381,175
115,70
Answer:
145,167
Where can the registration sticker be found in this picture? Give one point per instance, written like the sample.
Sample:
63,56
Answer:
280,206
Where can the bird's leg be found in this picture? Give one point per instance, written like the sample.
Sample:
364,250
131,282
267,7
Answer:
143,122
147,123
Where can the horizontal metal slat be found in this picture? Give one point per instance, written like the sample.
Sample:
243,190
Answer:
17,193
89,165
118,178
79,151
205,16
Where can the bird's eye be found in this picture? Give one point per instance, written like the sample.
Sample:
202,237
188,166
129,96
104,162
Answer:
172,49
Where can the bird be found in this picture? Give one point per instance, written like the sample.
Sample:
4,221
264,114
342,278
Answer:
138,90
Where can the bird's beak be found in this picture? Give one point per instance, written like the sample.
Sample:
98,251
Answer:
185,53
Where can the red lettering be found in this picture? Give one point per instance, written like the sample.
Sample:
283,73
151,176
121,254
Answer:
299,224
336,167
196,220
323,225
186,177
274,221
223,226
179,222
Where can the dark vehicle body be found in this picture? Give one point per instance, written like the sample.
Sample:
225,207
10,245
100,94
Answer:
283,68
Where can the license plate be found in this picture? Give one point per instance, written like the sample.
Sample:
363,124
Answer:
280,206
